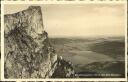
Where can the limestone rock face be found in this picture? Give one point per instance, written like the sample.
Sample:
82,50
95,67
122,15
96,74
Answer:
28,52
30,20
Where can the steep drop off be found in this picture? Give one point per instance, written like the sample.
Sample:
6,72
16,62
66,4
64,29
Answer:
28,52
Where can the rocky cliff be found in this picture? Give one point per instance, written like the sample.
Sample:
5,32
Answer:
28,52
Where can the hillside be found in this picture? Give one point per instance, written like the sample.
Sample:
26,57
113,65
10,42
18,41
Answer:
92,55
114,49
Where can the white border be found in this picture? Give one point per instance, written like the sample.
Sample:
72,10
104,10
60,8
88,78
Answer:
2,41
126,42
66,2
61,2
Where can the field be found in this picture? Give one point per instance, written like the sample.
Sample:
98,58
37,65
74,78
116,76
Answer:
93,55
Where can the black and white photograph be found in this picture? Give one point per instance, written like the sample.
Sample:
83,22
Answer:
64,41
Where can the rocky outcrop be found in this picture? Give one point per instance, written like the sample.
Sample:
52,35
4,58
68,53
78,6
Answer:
64,69
28,52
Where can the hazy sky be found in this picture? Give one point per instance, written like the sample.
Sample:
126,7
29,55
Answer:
80,20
